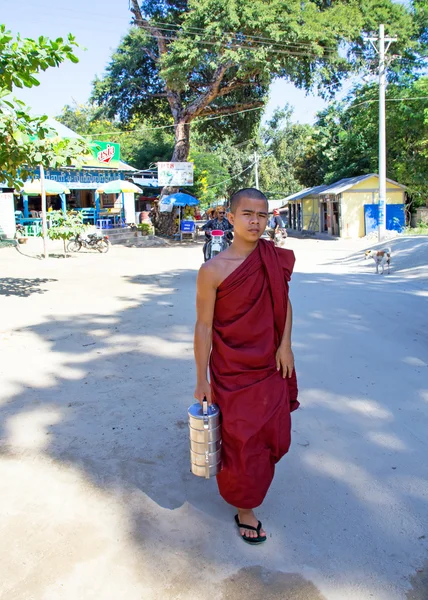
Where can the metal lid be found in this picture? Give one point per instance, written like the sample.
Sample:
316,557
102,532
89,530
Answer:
196,410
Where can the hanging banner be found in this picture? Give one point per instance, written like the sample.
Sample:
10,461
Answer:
175,173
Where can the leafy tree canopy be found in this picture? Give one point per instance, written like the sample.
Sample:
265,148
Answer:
345,142
27,141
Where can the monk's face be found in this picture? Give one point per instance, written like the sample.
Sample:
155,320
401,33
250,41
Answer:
249,219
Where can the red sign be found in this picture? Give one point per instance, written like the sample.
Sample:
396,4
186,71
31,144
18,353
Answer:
106,155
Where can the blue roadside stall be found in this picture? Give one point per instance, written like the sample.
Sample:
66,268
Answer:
180,200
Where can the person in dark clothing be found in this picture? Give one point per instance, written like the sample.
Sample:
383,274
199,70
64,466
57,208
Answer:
277,231
219,222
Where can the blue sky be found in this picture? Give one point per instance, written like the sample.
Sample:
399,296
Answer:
98,26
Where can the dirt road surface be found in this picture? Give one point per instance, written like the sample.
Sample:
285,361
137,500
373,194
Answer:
97,501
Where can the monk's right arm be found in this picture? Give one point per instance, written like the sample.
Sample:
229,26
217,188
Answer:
205,301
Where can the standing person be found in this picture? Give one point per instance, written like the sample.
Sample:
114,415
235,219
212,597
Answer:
218,222
243,330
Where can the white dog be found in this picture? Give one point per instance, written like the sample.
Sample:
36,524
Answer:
381,257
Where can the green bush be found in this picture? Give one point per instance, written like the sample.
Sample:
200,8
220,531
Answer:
145,228
65,226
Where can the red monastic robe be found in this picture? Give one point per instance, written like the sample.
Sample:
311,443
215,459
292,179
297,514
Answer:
254,399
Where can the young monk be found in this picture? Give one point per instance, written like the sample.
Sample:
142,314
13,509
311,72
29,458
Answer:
243,331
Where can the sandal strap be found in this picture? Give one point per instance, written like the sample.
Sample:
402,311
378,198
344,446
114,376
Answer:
250,527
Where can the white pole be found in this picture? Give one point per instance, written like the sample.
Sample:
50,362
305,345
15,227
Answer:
256,164
44,218
382,136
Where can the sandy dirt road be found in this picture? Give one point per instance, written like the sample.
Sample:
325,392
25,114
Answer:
97,501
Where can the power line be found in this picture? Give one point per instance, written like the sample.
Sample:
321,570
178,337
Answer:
389,100
244,38
247,37
135,131
238,174
230,178
234,46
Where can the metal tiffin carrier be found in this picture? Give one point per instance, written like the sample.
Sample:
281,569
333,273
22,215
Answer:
205,439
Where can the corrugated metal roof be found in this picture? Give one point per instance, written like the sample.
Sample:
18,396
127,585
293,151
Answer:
335,188
345,184
306,192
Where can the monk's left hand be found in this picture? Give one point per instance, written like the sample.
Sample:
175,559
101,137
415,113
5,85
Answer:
285,359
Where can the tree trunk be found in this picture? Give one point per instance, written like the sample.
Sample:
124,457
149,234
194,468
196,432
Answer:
164,222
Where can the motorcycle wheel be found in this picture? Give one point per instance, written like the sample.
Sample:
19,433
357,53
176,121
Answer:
103,246
73,246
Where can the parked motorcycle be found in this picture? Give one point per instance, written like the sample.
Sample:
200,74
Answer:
217,243
94,241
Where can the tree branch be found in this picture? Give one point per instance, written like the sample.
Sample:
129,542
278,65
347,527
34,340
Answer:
226,110
174,98
144,24
234,84
195,109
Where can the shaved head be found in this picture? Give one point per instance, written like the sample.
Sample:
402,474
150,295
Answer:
251,193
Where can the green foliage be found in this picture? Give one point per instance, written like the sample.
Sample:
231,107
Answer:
64,226
145,228
282,149
27,141
345,142
208,172
202,58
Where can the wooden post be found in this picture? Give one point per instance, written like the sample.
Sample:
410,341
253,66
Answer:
44,218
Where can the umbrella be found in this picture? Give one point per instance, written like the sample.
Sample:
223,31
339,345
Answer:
53,188
180,199
119,186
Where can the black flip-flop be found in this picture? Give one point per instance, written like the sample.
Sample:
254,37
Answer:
251,540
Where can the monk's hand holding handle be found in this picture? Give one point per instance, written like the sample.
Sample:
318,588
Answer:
203,392
285,359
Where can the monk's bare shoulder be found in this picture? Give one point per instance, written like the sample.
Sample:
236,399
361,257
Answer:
213,271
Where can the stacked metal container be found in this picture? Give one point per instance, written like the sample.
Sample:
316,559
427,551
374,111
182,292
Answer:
205,439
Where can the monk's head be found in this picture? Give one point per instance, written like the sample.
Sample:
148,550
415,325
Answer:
248,213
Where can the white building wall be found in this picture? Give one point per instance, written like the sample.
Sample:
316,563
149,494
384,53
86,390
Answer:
7,215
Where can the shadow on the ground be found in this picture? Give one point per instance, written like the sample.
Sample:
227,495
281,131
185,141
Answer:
18,286
123,410
407,253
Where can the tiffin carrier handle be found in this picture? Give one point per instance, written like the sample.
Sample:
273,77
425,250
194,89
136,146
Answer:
206,439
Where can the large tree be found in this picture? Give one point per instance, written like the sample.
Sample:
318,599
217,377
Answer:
199,59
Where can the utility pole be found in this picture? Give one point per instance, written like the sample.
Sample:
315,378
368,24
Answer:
381,50
256,164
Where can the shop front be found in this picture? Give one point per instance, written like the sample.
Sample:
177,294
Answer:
103,166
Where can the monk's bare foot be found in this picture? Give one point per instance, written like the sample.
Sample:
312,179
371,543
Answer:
249,518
